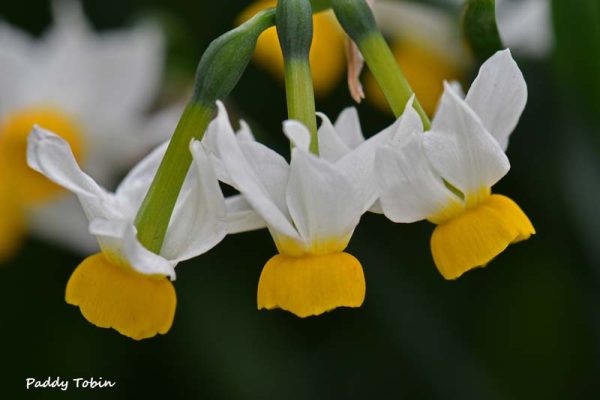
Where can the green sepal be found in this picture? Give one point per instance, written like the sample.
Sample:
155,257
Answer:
227,57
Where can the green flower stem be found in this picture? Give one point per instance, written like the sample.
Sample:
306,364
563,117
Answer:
155,212
358,21
301,98
390,78
295,30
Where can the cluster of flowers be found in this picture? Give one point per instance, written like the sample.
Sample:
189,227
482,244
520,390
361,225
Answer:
310,205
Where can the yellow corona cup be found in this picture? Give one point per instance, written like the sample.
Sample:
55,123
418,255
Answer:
125,286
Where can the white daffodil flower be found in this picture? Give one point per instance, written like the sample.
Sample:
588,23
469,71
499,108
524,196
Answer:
445,175
125,286
311,207
93,90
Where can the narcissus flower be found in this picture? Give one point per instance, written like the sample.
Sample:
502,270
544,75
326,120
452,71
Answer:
125,286
327,53
311,207
445,175
94,90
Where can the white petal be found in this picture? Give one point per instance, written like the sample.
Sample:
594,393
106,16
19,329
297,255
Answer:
331,146
134,186
198,222
321,199
461,149
498,95
240,215
271,169
15,65
122,68
409,190
260,183
119,242
51,155
358,165
348,127
244,133
458,89
297,133
209,141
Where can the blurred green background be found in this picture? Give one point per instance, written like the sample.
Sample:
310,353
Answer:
527,326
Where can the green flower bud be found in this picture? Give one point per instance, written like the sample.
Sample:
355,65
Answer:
227,57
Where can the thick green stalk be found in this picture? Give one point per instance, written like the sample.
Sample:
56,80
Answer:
301,98
358,21
387,73
155,212
295,29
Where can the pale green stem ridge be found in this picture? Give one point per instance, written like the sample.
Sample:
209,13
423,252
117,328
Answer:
387,73
295,29
155,212
301,98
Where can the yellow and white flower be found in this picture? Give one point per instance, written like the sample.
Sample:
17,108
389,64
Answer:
94,90
311,207
445,175
125,286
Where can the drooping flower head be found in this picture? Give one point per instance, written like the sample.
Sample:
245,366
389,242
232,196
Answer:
311,207
125,286
445,175
92,89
